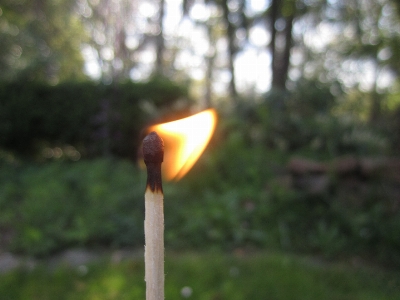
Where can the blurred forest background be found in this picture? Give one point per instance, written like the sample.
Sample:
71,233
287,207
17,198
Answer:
305,157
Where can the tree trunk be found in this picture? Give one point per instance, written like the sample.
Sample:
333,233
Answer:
274,12
208,87
231,51
160,46
375,110
280,56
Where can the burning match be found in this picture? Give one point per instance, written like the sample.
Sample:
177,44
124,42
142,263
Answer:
185,140
153,154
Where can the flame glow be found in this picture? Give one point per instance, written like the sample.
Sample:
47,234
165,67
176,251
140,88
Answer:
184,142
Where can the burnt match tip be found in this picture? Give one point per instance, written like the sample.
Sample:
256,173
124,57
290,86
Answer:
153,155
153,148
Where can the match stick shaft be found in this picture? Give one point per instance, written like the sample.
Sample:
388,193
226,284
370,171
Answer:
154,244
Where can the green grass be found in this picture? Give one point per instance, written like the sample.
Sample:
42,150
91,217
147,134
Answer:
208,277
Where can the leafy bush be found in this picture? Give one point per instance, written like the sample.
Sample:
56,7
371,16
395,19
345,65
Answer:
303,120
58,205
94,118
100,203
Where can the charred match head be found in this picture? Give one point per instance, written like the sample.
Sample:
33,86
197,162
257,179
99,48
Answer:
153,154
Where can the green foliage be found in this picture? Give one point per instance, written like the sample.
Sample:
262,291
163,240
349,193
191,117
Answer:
207,276
41,41
304,121
236,196
64,204
94,118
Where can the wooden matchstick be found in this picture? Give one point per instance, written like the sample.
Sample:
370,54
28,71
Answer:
153,154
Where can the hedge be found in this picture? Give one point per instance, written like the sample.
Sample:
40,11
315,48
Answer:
93,117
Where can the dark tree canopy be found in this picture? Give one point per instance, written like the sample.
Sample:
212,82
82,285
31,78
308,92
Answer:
40,40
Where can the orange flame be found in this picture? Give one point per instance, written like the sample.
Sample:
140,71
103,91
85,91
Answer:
184,142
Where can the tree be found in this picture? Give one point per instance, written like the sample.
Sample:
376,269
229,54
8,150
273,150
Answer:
232,49
359,47
217,26
160,45
109,24
281,17
40,40
122,32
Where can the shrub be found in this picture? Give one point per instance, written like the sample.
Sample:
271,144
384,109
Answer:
57,205
94,118
303,121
